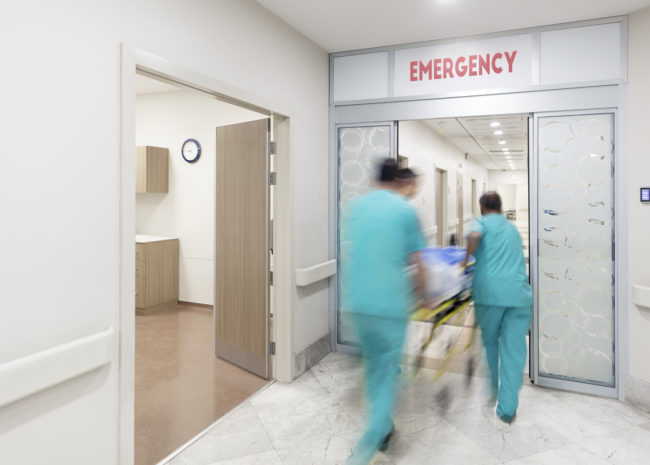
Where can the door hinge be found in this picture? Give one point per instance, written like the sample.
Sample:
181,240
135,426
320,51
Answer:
272,178
273,147
271,348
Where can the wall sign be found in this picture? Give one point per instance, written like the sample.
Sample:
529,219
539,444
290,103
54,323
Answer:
500,63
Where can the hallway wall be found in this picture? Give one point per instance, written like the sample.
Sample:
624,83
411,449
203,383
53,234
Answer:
428,151
638,172
60,115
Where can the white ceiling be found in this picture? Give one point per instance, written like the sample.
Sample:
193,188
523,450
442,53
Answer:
476,137
146,85
338,25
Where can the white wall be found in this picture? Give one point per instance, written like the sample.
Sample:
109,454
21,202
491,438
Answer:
59,182
517,197
638,175
427,151
188,210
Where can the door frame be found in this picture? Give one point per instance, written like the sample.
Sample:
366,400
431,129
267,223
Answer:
133,60
601,96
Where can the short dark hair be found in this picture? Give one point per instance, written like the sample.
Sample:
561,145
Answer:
406,174
491,201
387,170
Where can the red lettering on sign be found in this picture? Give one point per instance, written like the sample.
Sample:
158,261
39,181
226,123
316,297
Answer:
484,64
447,68
510,59
472,65
437,67
425,69
461,69
414,70
495,68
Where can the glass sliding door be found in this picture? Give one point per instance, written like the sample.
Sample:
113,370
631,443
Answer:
574,324
360,149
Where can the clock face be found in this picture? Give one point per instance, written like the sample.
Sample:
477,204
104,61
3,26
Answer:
191,150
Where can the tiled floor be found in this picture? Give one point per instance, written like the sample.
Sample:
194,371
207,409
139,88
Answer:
316,419
180,386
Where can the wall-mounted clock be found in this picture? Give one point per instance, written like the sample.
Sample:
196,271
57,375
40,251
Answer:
191,150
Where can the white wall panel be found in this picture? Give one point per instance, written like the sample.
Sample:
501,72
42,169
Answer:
361,77
581,54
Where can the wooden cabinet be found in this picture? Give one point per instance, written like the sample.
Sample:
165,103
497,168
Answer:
156,272
151,169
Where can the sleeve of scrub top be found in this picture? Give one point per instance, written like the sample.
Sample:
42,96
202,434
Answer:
416,241
476,226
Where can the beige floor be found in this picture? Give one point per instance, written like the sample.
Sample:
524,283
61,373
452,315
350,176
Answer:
180,386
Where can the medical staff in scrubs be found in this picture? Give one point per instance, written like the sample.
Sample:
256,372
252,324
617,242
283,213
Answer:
381,236
503,301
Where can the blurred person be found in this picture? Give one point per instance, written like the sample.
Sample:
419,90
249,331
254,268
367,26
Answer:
382,236
503,301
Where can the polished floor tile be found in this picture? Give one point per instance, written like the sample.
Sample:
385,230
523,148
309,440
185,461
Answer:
180,386
316,420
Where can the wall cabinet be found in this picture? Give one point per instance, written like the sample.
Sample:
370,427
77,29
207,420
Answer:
151,169
156,271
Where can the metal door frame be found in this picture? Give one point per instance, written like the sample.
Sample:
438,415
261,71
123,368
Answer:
533,172
598,98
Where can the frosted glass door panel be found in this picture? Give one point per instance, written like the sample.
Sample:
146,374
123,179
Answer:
576,263
361,149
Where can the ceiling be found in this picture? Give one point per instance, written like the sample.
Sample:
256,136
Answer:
147,85
338,25
494,142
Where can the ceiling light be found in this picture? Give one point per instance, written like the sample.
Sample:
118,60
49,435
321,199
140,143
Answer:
501,142
495,124
505,149
498,132
508,157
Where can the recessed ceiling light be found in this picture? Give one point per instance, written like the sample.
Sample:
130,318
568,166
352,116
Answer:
501,142
505,149
508,157
498,132
495,124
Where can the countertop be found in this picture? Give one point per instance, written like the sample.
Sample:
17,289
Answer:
143,238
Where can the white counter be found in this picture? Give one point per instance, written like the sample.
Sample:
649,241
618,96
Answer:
143,238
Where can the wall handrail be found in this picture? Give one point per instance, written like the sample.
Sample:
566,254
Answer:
313,274
33,373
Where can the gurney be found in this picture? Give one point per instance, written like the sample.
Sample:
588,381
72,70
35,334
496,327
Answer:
449,290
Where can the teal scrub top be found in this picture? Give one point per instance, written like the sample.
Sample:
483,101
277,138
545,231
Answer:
379,231
500,274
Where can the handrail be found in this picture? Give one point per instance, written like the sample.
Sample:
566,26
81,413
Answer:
313,274
36,372
641,295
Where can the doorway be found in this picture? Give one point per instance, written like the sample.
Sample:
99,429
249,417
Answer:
441,206
194,359
276,157
527,158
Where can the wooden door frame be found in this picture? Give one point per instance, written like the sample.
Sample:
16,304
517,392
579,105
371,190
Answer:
132,61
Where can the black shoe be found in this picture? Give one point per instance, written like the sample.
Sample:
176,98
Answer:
386,441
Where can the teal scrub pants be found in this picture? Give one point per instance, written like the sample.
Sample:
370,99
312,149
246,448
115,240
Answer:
381,344
504,330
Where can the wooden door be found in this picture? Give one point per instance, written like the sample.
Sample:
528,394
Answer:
241,247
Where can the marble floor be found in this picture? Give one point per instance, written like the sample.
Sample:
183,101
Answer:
316,419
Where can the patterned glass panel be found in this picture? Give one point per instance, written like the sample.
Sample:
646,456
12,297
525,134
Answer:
575,264
361,149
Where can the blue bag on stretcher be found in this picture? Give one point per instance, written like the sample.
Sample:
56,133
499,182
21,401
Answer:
445,277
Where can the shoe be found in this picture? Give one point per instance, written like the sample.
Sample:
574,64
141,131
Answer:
384,445
509,419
